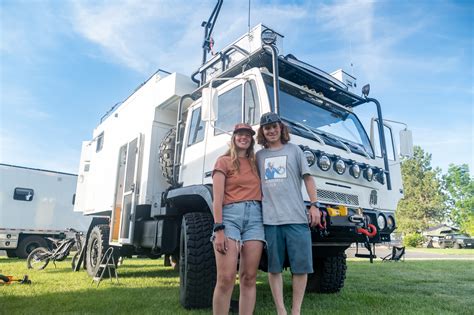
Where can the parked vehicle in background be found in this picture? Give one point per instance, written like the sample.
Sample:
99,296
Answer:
35,205
456,241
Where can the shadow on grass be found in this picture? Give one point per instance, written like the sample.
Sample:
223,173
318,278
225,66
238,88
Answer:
115,299
148,273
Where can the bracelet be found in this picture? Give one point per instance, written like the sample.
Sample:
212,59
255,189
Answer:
218,227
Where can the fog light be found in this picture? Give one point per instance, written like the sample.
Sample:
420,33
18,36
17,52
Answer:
369,174
355,170
340,167
381,221
310,158
381,177
390,222
324,162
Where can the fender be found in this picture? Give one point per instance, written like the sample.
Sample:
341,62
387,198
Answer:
194,197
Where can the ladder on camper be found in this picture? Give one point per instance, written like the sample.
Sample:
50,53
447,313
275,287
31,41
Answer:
107,263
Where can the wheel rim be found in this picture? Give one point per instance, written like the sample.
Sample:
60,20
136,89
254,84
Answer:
39,259
94,253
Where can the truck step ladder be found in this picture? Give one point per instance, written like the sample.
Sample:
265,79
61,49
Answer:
107,263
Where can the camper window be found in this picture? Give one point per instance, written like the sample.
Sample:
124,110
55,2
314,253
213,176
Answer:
23,194
100,142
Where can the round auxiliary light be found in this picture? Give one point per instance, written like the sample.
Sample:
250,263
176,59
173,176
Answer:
324,162
390,222
381,221
268,36
381,176
310,158
340,167
355,169
369,174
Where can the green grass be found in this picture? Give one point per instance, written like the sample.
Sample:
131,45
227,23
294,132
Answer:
449,251
146,286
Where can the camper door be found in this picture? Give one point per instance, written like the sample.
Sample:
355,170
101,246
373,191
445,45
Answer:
126,192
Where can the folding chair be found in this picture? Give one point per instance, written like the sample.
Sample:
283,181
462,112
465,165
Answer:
398,253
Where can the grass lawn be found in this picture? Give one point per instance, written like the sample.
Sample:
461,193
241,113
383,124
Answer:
146,286
449,251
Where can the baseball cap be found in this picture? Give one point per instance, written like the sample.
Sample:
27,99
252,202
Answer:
246,127
269,118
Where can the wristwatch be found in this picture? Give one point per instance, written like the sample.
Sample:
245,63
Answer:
316,204
218,227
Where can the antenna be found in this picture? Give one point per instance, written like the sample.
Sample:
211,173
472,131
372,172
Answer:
248,22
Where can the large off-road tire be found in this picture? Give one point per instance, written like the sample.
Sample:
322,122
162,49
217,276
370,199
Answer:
329,274
96,247
197,265
442,245
28,244
167,155
38,258
457,246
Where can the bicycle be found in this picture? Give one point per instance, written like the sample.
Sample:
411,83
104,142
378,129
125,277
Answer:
40,257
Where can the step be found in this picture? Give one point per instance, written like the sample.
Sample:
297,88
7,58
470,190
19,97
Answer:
365,256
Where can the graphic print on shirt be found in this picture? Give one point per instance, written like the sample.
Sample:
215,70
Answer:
275,167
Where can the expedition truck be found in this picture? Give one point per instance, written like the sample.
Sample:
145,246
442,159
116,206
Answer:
145,176
35,205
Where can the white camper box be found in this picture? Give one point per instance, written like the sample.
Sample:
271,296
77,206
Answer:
35,204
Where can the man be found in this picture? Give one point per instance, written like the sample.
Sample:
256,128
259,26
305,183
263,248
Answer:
285,217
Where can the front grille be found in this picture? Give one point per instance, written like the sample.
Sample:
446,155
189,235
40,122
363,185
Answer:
337,197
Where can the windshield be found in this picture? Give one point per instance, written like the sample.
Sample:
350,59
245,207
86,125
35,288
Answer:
336,126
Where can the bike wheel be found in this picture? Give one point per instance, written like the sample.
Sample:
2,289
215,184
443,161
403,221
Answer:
38,259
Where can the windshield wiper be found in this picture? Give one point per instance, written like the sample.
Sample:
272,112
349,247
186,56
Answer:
316,136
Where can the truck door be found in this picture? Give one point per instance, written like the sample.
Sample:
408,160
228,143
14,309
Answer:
237,102
126,192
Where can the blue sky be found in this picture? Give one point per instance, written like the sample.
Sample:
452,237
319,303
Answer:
63,64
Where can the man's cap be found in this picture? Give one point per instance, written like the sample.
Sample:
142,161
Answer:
269,118
244,127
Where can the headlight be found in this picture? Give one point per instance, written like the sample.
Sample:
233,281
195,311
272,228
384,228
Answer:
340,167
369,174
268,36
390,222
324,162
310,158
381,221
355,169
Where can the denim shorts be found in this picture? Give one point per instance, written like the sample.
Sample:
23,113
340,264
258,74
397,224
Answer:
291,239
243,221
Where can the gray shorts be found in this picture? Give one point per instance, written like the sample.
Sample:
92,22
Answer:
294,239
243,221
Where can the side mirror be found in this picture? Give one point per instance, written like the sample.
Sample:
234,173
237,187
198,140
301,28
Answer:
209,104
406,143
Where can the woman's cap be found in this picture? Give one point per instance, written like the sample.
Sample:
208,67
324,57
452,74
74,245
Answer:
269,118
244,127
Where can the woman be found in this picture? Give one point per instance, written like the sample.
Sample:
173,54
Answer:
238,226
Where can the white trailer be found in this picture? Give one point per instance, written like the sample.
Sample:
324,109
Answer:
35,204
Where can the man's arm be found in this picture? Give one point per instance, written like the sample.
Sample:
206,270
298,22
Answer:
314,214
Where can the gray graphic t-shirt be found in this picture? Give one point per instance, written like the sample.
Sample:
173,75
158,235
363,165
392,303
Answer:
281,173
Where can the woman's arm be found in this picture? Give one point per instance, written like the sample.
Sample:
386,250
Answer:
218,183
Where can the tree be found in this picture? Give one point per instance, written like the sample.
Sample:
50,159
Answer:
459,187
423,202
